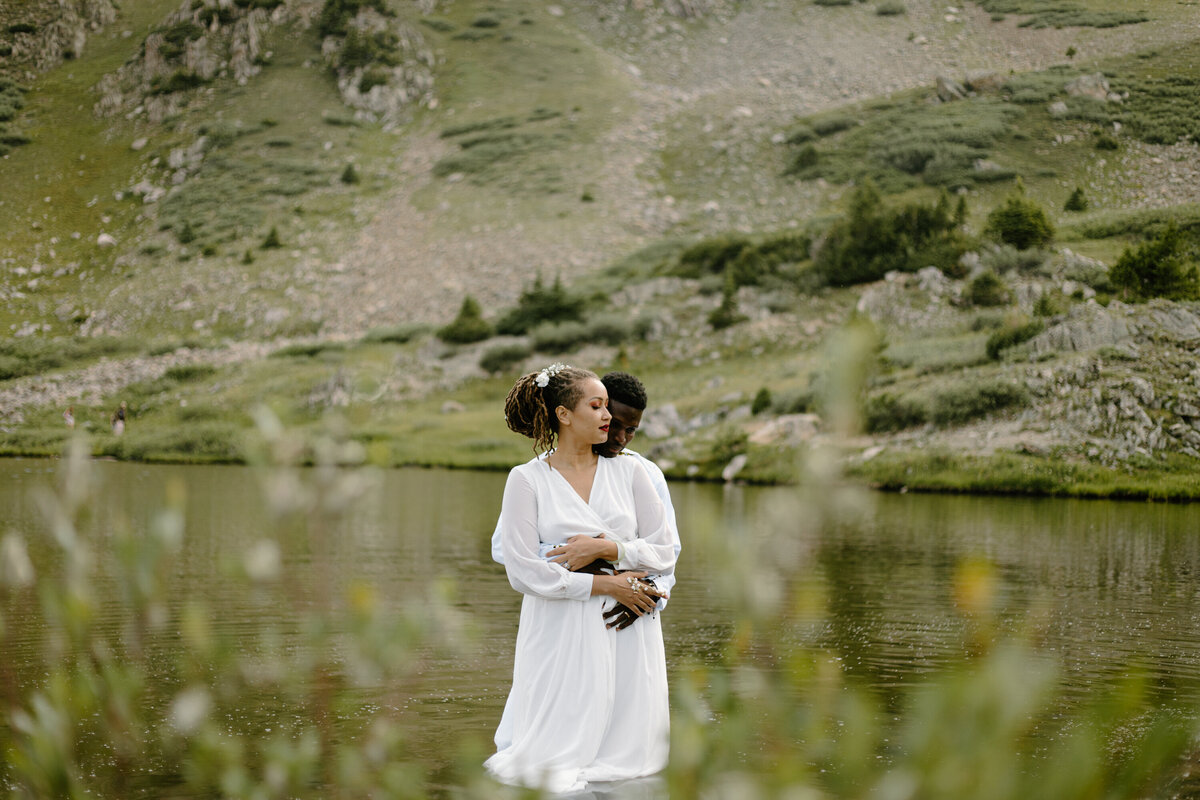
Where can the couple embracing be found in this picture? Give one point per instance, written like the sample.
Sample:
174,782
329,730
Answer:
587,534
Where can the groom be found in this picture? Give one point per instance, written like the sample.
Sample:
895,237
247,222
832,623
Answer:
626,403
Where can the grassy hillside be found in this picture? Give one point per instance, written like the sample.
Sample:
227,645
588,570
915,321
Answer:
269,244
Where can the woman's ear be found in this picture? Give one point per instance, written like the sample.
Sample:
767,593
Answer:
563,414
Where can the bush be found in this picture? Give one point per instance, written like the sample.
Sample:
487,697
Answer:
350,175
871,240
970,401
335,14
749,262
395,334
272,241
1005,258
183,373
1049,304
1013,334
469,326
1020,222
499,358
887,412
890,8
1077,201
538,305
559,337
987,289
1106,142
726,314
1157,268
762,401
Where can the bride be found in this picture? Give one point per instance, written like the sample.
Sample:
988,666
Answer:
586,705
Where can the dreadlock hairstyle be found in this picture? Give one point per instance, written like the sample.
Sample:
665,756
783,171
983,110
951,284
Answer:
529,408
624,388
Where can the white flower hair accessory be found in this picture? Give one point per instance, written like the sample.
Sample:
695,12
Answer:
543,377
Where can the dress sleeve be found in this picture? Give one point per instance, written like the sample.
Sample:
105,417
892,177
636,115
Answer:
654,547
527,571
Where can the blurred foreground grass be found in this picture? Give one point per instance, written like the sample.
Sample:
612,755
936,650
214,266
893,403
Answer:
98,722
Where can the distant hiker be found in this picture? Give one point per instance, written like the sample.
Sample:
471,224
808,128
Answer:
69,417
118,420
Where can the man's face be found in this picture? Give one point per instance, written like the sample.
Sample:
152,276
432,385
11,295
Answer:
621,430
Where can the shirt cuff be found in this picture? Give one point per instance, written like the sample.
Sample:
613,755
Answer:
579,585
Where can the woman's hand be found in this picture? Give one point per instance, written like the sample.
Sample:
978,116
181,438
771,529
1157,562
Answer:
581,550
629,590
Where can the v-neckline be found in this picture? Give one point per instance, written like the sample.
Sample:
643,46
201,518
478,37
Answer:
588,501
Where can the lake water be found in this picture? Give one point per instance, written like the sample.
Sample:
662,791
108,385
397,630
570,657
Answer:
1106,582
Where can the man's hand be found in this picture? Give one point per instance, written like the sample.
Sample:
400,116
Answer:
621,616
582,550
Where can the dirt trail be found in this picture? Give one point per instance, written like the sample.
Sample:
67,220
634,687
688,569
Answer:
751,69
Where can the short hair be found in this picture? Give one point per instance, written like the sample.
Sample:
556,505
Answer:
624,388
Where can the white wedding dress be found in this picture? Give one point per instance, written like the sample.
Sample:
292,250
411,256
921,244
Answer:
588,703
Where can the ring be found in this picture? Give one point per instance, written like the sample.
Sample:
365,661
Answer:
567,564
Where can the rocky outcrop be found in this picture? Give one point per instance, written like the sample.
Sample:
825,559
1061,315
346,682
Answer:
1093,327
194,45
43,35
382,90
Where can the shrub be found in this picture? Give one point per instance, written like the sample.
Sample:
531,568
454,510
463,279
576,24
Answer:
887,412
747,261
762,401
1077,201
375,76
1005,258
469,326
1105,141
1020,222
335,14
987,289
872,240
726,314
178,81
540,304
350,175
559,337
22,27
1157,268
272,241
969,401
183,373
890,8
501,357
1049,304
1013,334
395,334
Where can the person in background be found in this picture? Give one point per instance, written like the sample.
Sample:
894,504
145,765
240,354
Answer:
118,419
69,416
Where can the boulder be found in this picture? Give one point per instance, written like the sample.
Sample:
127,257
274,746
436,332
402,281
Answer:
1094,86
787,429
105,241
949,89
736,465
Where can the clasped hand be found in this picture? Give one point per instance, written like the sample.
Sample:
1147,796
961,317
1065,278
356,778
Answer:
635,596
581,550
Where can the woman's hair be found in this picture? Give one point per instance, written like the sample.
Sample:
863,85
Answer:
529,408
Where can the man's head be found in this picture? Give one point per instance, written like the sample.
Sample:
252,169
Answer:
626,402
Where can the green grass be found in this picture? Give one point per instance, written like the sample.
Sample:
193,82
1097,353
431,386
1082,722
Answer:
907,143
1018,474
1061,14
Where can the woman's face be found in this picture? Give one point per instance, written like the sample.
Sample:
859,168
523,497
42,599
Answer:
589,419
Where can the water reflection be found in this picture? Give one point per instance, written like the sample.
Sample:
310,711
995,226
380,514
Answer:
1101,582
